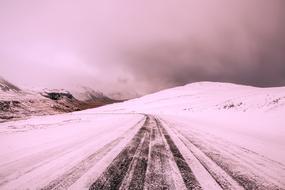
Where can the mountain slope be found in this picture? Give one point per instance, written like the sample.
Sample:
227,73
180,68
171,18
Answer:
209,96
17,103
7,86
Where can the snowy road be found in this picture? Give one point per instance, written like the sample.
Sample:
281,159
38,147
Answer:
128,151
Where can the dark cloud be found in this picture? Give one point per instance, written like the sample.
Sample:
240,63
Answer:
249,51
170,64
137,47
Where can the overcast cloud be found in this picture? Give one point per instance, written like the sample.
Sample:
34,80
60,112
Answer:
140,46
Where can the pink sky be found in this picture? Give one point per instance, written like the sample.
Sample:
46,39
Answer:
141,46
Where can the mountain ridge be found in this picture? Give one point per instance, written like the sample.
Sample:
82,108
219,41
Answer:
16,103
209,96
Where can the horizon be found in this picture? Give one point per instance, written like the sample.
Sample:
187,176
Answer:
84,89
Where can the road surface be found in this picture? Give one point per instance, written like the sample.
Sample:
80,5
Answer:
128,151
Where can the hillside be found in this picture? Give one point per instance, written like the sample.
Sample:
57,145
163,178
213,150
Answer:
208,96
16,103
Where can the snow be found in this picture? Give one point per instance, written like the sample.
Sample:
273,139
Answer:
205,96
38,150
244,125
258,122
261,114
246,117
263,133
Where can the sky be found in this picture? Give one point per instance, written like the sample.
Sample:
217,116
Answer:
135,47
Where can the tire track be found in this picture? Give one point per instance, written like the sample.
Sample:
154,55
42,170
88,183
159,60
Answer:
113,176
77,171
236,169
225,181
136,173
245,158
32,162
158,175
70,170
186,172
253,162
226,166
145,163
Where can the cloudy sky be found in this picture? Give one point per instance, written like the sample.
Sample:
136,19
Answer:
141,46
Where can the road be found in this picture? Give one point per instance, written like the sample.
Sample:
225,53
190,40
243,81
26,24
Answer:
130,151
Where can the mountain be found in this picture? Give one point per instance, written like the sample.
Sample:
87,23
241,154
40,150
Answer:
93,98
17,103
192,98
7,86
209,96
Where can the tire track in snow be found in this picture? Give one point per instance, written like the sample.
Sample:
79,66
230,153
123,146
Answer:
158,175
259,168
113,176
245,175
145,163
229,173
73,174
77,171
66,178
225,181
186,172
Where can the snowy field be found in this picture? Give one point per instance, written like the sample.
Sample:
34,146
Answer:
34,152
199,136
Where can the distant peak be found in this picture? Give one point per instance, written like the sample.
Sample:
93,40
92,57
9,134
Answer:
7,86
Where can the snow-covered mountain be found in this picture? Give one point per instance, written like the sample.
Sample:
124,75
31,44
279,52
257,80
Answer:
87,94
19,103
200,136
7,86
209,96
